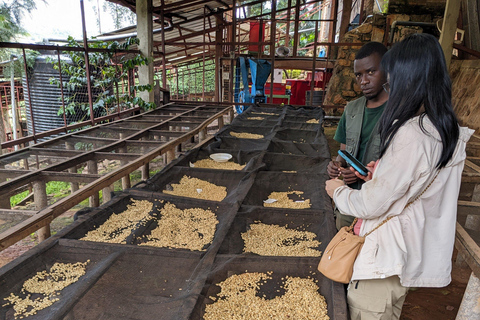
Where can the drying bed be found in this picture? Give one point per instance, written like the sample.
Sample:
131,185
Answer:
235,182
131,280
306,149
299,136
316,221
301,125
291,163
255,132
226,266
231,143
311,187
250,159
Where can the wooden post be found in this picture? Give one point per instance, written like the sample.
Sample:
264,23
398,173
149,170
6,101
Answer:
146,171
232,115
126,179
106,194
202,135
73,185
4,201
347,10
170,155
449,28
220,123
40,196
94,200
146,167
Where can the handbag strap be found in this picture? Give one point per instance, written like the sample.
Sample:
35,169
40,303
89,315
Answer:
408,204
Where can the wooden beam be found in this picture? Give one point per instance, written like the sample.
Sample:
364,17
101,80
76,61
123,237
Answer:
468,208
449,28
303,64
345,18
468,248
69,177
472,165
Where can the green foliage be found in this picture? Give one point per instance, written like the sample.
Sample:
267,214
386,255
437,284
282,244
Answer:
104,77
190,78
11,15
18,68
120,14
14,200
58,188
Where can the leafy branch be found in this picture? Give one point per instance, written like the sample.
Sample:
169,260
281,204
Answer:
107,72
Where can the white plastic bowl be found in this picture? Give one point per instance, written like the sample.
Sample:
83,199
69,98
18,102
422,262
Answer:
221,157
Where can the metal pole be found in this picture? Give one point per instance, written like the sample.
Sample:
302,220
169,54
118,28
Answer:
61,89
29,95
312,84
295,30
203,54
272,45
87,63
287,31
12,93
362,4
164,70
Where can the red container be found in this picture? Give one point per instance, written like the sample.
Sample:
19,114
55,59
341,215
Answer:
278,89
299,88
257,34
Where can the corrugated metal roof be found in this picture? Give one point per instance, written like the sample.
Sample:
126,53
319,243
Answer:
185,21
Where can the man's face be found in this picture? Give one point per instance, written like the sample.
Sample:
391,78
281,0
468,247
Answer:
369,76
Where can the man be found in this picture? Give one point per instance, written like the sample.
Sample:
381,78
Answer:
357,129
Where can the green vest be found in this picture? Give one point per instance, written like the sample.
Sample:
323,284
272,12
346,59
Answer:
354,111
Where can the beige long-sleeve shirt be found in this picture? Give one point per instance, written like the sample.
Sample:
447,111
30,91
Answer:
417,243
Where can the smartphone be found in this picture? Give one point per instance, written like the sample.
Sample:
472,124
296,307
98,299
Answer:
352,161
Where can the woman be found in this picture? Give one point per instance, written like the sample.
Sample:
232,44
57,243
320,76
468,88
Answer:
416,183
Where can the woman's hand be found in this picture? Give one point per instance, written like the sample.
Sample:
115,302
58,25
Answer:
370,167
333,184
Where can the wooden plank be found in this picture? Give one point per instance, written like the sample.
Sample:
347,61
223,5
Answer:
472,165
468,248
57,153
470,177
83,138
466,208
302,64
166,133
69,177
99,156
449,27
5,213
11,173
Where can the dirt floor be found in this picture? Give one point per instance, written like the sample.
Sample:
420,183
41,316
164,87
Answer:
421,303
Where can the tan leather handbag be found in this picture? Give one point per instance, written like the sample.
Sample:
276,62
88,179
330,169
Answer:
339,256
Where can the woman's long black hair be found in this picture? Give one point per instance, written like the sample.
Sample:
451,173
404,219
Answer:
418,77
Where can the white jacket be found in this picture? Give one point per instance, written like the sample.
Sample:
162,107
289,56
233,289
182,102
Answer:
417,243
